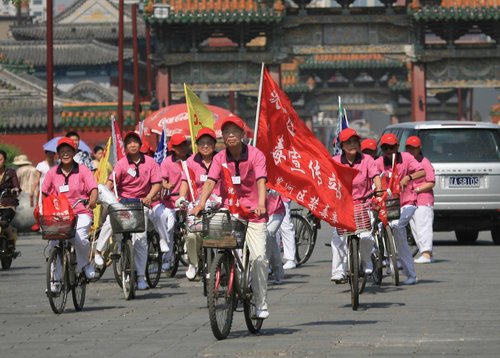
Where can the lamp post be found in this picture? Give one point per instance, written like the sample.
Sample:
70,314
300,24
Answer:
50,73
135,47
120,63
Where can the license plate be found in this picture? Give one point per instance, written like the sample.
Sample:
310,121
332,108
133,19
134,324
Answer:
465,181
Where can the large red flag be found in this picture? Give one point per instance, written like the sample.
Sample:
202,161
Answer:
298,165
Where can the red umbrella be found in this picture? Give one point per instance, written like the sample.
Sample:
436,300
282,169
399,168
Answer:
175,118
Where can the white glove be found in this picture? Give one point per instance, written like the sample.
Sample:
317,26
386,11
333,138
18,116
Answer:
181,201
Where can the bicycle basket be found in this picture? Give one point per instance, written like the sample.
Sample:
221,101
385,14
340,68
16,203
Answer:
127,217
6,216
393,209
56,227
362,219
223,230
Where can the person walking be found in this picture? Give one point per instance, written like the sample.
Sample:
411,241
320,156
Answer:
26,174
423,218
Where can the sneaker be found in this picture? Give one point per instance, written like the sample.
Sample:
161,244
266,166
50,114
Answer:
191,272
424,260
55,287
338,278
262,314
89,272
163,246
368,268
99,261
289,264
410,281
141,283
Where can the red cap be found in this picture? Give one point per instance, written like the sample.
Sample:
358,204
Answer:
66,141
233,119
132,134
413,141
206,131
389,139
177,139
369,143
346,134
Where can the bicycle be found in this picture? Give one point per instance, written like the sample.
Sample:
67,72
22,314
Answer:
306,232
7,251
126,217
179,252
229,280
61,274
154,261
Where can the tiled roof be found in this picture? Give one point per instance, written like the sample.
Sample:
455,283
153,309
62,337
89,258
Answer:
290,78
216,11
458,10
338,61
65,53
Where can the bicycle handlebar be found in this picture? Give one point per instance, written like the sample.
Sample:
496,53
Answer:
84,201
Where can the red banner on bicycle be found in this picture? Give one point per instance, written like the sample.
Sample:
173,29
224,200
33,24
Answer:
298,165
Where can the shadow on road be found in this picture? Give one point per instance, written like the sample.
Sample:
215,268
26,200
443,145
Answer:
337,323
264,332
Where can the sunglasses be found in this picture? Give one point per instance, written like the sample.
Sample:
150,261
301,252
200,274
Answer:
387,147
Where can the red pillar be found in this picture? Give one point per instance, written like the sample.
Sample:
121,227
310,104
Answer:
163,86
50,74
148,61
137,111
418,93
232,104
120,64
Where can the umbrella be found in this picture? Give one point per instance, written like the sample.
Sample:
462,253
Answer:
176,117
51,145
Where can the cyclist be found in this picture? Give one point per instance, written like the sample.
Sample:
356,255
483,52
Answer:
171,174
81,157
10,184
361,187
422,220
369,147
76,182
137,176
247,166
199,164
408,169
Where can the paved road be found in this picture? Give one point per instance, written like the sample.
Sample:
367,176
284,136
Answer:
454,310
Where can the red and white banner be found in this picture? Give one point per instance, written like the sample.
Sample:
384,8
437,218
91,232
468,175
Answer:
298,165
118,147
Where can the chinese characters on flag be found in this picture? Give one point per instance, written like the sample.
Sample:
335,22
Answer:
298,165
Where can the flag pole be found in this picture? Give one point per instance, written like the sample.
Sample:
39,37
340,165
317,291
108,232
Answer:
254,142
186,171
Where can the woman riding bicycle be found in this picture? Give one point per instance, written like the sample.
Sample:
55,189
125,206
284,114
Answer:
361,187
9,190
199,164
247,166
76,182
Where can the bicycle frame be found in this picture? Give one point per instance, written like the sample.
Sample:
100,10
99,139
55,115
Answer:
235,264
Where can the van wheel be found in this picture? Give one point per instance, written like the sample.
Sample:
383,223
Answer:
495,235
466,236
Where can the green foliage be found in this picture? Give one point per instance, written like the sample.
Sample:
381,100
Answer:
11,151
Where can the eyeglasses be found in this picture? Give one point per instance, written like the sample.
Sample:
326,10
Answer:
233,131
387,147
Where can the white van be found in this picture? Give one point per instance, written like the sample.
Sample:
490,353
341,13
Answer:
466,158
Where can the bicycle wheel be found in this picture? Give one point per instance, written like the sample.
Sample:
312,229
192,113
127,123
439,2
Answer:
391,254
128,270
176,257
303,238
253,323
377,259
153,265
79,287
354,279
221,297
57,299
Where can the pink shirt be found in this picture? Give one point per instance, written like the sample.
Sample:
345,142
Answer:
134,181
200,170
362,182
406,164
427,198
249,168
274,204
77,185
172,171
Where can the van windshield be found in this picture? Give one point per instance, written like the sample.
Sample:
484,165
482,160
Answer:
461,145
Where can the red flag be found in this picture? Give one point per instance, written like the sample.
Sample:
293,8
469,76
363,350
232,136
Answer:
394,178
233,203
119,148
298,165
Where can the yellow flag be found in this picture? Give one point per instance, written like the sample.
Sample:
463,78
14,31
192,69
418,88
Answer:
101,176
199,115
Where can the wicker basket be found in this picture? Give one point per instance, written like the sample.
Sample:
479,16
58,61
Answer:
393,209
127,217
362,218
57,227
223,230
